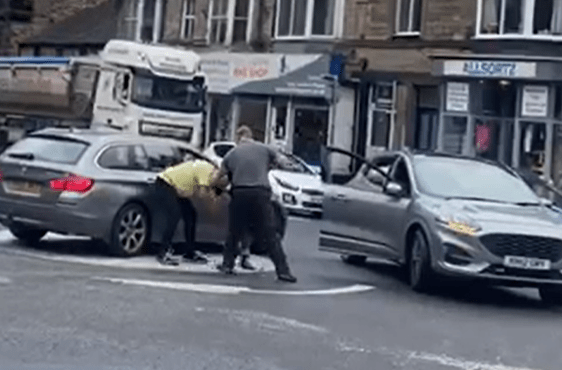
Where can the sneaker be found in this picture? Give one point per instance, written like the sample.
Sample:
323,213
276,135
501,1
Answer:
225,270
246,264
168,260
197,257
287,278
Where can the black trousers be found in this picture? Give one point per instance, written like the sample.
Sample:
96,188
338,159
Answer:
173,208
252,207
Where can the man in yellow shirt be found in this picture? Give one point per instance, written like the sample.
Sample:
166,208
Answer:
175,187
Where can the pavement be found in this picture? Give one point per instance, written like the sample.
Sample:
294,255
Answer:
64,314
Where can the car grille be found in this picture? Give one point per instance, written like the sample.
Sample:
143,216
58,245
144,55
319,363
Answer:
523,245
311,205
312,192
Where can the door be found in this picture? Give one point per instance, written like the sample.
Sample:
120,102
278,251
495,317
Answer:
427,129
393,210
310,134
352,219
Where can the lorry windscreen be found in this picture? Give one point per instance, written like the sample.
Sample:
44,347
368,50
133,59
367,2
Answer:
156,92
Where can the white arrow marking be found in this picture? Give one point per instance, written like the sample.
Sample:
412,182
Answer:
4,280
230,289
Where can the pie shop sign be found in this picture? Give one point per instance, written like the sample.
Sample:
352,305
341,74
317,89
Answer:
503,69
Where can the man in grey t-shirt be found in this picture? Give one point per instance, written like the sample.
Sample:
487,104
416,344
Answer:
247,166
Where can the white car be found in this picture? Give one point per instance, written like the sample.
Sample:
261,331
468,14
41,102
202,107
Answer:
297,185
217,150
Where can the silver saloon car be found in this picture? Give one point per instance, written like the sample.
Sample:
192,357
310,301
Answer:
98,184
446,215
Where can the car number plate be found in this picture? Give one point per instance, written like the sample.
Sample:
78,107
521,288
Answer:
316,199
526,263
24,187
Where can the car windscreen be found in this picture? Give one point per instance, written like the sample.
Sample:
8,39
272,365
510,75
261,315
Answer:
48,149
291,164
469,179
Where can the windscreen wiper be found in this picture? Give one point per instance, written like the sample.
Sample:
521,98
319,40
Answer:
527,204
28,156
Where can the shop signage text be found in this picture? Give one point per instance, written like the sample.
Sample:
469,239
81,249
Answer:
250,72
477,68
535,101
457,96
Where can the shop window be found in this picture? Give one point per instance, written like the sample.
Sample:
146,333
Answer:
427,129
487,135
556,166
454,138
532,146
498,98
280,122
228,21
311,128
558,102
188,25
528,18
409,16
380,129
306,18
253,113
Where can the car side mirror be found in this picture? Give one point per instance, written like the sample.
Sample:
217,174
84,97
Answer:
394,189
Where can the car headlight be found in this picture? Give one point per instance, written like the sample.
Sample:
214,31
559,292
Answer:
285,184
459,225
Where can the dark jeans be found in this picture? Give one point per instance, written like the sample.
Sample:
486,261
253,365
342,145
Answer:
173,208
252,206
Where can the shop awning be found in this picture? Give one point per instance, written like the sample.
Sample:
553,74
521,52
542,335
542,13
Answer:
310,79
393,62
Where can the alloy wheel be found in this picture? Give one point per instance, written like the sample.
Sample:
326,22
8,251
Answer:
133,230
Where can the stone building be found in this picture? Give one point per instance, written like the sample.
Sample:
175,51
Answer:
66,27
474,77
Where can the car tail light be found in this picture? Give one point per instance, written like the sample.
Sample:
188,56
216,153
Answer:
72,183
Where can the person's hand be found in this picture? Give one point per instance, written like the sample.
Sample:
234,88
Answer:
183,194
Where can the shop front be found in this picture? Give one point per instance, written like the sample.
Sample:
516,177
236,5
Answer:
503,110
291,101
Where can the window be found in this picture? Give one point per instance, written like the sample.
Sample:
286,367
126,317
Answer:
156,92
409,16
382,114
454,138
228,21
21,10
116,157
48,149
161,157
144,20
305,18
188,26
529,18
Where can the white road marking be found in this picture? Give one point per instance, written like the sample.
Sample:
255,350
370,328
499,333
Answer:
4,280
419,356
264,320
231,289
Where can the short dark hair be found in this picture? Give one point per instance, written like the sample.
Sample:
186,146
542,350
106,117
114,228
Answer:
244,131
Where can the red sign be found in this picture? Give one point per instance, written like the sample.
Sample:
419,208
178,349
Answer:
250,72
482,138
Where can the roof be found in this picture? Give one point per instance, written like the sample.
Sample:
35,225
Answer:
95,25
100,136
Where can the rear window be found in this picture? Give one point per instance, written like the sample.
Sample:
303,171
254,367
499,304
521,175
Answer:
48,149
223,149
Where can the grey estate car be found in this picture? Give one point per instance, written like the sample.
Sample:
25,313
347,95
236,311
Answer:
445,215
97,183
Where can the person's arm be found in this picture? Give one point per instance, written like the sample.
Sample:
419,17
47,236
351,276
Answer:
220,177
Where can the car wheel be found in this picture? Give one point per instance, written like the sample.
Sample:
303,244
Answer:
551,295
353,259
130,231
419,264
27,234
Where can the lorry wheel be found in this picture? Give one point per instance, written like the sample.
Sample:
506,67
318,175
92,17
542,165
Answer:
551,295
130,231
27,235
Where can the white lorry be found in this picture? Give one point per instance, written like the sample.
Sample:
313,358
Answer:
133,87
